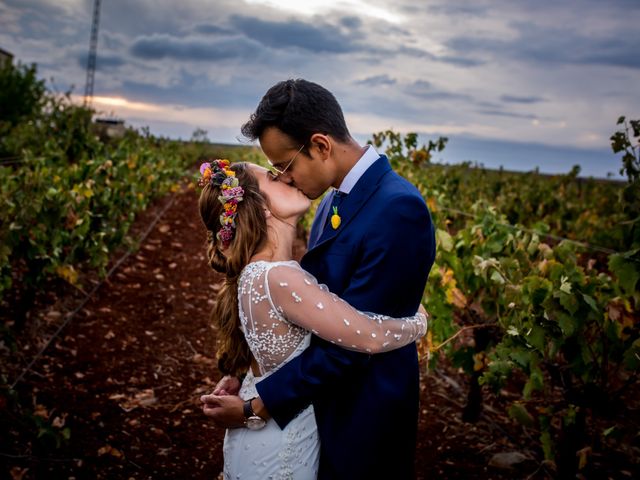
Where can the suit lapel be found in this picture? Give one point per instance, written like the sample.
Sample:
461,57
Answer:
351,205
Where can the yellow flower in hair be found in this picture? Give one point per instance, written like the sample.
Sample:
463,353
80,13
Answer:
230,173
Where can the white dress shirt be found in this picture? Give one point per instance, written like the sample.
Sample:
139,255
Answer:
364,162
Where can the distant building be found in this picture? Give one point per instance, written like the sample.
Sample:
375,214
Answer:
109,127
5,57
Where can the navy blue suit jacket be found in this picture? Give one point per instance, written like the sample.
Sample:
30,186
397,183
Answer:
378,260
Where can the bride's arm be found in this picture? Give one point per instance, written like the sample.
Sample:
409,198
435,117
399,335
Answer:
297,295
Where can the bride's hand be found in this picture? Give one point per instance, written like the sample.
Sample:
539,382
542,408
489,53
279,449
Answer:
423,311
225,410
228,385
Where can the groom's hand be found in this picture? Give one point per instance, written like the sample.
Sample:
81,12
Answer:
225,410
228,385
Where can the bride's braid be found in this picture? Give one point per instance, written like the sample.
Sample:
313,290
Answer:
233,353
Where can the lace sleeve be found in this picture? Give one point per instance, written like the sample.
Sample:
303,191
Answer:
301,300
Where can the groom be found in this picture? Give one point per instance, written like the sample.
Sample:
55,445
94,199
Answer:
377,257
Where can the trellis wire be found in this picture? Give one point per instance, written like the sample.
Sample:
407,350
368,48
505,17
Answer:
88,296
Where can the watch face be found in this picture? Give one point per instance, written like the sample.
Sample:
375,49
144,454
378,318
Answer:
255,423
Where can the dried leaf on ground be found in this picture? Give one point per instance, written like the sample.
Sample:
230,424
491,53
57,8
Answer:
109,450
143,398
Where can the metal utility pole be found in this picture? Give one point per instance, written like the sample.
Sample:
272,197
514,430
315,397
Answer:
93,46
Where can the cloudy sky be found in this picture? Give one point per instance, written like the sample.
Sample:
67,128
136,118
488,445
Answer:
513,83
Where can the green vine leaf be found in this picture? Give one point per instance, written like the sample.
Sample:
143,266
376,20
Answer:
444,240
627,272
519,413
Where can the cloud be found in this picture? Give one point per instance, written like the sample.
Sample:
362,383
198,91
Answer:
321,37
544,44
502,113
351,22
161,46
460,61
377,80
527,100
441,95
620,55
196,91
421,85
450,9
210,28
425,90
103,62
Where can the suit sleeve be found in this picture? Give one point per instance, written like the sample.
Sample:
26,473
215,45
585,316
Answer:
398,243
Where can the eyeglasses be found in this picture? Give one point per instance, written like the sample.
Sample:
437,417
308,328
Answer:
277,172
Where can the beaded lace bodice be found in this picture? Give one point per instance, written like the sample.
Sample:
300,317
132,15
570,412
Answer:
281,304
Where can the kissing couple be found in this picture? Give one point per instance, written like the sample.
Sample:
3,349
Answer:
314,385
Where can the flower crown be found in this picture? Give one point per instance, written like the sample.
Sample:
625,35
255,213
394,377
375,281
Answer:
218,174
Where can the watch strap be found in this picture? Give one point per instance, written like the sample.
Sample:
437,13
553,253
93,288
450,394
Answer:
247,409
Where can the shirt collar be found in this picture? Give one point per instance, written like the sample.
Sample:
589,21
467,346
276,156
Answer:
367,159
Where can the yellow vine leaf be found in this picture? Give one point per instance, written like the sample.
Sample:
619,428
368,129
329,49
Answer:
479,361
447,277
68,273
456,297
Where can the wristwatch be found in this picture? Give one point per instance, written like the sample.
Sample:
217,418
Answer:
251,420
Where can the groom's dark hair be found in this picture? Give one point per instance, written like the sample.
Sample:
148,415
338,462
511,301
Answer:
298,108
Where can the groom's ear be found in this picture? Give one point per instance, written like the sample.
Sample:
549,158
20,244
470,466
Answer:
322,144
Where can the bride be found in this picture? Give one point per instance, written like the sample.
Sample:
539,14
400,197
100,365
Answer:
268,309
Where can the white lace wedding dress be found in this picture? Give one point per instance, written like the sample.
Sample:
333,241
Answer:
280,306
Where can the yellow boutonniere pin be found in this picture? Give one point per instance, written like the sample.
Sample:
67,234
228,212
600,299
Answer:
335,219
